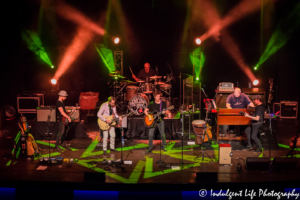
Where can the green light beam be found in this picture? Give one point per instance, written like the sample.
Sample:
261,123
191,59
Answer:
197,61
281,35
34,44
106,56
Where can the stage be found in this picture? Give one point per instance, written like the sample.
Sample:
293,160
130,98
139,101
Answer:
179,171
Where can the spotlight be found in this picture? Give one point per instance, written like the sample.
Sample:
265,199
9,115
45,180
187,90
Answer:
52,66
255,68
197,78
198,41
116,40
255,82
53,81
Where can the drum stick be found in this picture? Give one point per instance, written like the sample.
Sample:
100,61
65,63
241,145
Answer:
131,71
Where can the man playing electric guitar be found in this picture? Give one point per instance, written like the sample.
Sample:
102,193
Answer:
257,122
60,112
106,110
157,105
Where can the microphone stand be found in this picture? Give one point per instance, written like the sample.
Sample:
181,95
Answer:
270,127
182,134
48,130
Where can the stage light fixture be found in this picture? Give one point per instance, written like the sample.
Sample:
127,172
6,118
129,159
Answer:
116,40
53,81
197,78
255,68
52,67
255,82
198,41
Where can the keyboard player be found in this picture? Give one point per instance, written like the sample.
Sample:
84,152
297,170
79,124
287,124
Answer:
238,100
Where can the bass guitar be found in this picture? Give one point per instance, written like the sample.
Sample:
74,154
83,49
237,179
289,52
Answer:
114,121
155,116
74,114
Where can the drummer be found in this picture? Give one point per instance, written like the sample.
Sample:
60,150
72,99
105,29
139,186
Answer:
144,73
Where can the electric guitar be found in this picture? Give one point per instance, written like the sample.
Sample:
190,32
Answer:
114,121
155,116
65,120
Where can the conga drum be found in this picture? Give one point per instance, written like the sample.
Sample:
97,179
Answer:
199,128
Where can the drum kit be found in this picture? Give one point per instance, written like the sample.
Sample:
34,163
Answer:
136,95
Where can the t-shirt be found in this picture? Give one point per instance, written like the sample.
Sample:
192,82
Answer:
238,102
156,107
58,114
143,74
259,111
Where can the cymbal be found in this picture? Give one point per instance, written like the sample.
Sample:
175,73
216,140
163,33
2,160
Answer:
141,81
159,83
148,92
122,76
113,73
155,77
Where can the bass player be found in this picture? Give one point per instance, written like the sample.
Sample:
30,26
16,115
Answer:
157,105
60,113
107,109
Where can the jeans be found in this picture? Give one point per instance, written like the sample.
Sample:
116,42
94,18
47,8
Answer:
62,134
161,127
252,132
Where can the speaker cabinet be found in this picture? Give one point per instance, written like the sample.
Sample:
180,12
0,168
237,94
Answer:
255,163
224,154
94,177
44,112
206,177
289,109
285,163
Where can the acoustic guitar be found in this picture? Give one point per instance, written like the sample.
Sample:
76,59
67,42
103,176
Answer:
155,116
114,121
208,135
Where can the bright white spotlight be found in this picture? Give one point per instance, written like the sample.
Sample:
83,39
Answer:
116,40
255,82
198,41
53,81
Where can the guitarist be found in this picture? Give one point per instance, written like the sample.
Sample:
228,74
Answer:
157,105
107,109
60,112
257,122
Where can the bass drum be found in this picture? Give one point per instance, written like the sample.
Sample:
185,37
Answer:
138,104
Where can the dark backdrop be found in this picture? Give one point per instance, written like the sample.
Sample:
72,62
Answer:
157,29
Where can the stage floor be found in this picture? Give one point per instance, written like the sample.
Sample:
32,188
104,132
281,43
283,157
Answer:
181,166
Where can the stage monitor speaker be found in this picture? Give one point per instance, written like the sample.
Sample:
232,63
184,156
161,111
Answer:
255,163
94,177
285,163
44,112
206,177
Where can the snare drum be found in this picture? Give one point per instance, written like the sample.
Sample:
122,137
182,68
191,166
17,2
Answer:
131,91
148,88
199,128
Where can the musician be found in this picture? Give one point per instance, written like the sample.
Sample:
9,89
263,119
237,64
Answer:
257,121
157,105
144,73
238,100
60,112
107,109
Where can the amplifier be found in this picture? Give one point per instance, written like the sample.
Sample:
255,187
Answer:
225,154
28,104
44,112
289,109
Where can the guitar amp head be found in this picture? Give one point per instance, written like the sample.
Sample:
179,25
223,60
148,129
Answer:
289,109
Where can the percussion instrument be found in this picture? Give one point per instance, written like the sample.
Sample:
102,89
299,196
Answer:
141,81
131,91
166,86
155,77
147,88
138,104
160,83
199,128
